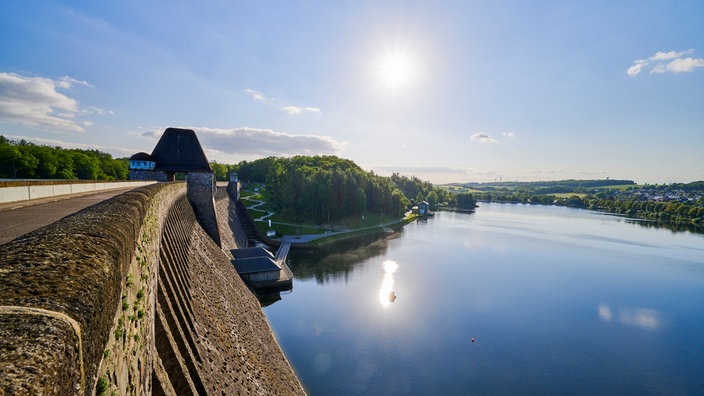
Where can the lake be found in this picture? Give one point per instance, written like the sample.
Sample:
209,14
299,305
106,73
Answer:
512,299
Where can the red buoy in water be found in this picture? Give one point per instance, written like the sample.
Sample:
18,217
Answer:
472,339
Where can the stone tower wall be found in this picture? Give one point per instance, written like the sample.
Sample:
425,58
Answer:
201,195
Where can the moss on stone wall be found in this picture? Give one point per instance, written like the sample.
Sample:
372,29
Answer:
75,267
79,302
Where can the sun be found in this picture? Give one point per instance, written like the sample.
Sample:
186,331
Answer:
395,70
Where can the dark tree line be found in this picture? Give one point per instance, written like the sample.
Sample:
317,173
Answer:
551,186
323,188
688,212
26,160
417,190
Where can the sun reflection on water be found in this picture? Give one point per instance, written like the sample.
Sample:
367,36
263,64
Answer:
386,292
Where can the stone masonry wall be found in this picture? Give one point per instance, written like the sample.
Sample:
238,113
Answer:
66,280
201,194
131,296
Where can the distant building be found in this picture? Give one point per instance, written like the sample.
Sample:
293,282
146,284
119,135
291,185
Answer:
142,161
423,208
178,150
260,270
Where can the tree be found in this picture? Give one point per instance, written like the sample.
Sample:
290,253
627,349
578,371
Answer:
220,171
9,154
87,167
432,199
419,198
324,188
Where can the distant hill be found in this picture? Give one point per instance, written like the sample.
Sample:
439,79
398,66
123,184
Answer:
566,185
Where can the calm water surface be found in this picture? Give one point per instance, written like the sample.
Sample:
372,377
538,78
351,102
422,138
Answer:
558,301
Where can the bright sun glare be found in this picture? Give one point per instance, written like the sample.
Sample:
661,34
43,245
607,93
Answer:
395,70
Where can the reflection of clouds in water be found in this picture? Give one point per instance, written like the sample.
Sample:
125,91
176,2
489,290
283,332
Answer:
386,292
642,317
645,318
605,312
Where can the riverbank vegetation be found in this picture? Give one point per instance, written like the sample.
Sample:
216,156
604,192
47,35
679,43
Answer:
676,203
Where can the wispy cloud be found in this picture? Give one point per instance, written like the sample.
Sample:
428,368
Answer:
258,96
246,141
36,102
666,62
67,82
482,137
295,110
508,134
285,107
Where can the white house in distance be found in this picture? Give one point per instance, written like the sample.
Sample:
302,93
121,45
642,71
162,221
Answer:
142,161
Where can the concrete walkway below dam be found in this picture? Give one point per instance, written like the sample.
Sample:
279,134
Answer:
19,218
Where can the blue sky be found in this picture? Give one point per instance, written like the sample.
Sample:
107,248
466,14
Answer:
450,91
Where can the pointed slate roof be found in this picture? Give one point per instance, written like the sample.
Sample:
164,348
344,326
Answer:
179,150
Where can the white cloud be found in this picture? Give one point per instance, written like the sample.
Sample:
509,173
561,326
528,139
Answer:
296,110
508,134
285,107
663,62
67,82
635,69
258,96
246,141
683,65
35,101
482,137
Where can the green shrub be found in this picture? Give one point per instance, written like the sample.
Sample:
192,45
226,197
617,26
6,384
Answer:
102,387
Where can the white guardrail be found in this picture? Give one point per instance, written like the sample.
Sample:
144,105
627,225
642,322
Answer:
29,192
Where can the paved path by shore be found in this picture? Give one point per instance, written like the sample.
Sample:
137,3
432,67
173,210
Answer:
19,218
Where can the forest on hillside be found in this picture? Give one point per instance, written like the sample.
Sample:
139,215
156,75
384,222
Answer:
323,188
417,190
25,160
327,188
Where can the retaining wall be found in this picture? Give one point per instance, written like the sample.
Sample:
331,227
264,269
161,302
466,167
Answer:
41,190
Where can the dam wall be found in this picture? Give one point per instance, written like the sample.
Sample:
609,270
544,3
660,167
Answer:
132,296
